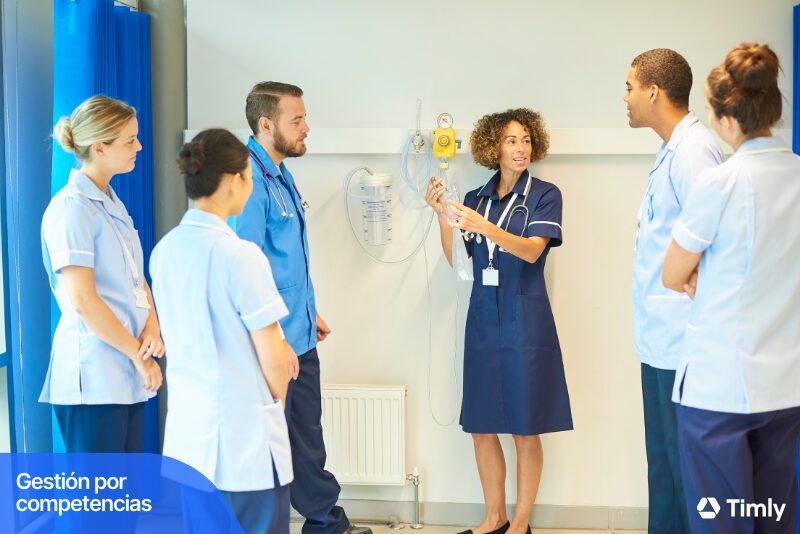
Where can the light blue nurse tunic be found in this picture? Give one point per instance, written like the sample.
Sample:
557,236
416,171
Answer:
211,290
86,227
741,353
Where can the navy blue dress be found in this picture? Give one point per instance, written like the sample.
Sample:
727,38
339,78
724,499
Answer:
514,379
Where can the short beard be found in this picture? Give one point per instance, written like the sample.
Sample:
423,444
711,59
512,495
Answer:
282,145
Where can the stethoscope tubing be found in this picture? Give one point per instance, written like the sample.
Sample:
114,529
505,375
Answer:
523,206
269,177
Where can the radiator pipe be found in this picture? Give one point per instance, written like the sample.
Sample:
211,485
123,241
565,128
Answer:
414,479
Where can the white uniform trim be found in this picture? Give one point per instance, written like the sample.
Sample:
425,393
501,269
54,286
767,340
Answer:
545,222
261,310
683,228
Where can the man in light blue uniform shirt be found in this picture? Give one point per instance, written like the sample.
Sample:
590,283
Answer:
657,96
274,219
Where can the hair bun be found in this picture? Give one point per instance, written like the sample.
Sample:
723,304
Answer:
753,67
63,134
191,159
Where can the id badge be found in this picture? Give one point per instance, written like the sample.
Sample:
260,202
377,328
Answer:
491,277
140,297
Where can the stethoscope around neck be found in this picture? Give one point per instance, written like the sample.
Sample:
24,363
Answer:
273,181
523,208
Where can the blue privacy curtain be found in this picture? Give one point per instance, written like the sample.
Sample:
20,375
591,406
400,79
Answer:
104,49
796,146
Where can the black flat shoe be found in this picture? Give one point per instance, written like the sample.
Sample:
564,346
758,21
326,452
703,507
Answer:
502,529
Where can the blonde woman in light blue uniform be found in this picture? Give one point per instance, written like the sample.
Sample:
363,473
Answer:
735,248
101,371
229,364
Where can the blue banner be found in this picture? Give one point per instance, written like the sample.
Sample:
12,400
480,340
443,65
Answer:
100,48
119,493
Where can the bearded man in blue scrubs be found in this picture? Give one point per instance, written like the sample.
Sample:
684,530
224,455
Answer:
657,96
274,219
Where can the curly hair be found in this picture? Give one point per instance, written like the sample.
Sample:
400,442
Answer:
488,134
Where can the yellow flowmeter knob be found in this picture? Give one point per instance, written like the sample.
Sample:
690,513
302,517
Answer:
445,145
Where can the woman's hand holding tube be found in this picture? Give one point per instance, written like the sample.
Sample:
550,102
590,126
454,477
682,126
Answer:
434,196
525,248
468,219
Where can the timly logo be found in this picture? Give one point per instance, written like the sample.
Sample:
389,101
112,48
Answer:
708,514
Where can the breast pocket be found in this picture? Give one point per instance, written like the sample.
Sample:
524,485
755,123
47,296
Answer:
285,238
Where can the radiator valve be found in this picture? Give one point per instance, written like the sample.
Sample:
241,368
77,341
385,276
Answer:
414,479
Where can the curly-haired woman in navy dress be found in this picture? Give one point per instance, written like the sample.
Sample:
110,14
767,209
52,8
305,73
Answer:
513,372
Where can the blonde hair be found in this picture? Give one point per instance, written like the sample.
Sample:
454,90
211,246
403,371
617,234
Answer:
98,119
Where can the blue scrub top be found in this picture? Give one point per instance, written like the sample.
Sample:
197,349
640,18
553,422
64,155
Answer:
741,353
211,290
660,314
77,231
284,240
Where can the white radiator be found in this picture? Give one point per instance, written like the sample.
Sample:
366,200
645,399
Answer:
364,430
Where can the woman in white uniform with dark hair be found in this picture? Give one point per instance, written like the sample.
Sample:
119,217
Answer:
101,371
229,370
735,248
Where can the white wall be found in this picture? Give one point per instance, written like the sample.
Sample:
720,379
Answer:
363,64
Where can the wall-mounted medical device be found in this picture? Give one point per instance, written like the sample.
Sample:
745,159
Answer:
376,197
376,207
444,137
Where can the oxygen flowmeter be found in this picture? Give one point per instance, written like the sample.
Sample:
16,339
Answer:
444,137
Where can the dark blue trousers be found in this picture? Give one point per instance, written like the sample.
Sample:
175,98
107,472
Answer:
261,512
254,512
740,456
666,501
105,428
101,427
314,491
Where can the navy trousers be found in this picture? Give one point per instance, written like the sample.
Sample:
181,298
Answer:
261,512
106,428
314,491
254,512
101,427
740,456
667,513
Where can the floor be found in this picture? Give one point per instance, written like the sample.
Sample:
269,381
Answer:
439,529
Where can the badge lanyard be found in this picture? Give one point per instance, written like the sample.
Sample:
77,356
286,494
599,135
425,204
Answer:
139,294
491,276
